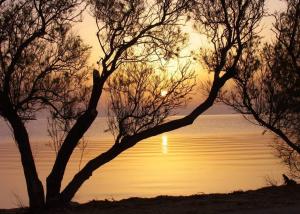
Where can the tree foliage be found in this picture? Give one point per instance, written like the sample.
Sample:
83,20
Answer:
267,86
142,97
42,66
42,63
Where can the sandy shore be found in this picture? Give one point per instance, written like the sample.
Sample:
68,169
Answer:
268,200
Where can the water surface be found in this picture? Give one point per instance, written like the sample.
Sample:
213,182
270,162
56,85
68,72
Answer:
218,153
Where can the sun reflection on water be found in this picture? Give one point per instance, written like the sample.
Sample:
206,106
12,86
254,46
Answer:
164,142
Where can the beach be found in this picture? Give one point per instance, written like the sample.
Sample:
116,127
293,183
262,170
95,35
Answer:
267,200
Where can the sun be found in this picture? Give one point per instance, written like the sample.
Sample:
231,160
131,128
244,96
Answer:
163,93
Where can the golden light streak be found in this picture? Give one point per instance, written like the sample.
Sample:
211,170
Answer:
164,140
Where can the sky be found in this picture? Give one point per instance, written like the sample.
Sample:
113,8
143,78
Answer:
87,30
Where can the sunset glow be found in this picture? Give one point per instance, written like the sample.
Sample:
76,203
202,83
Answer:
149,106
163,93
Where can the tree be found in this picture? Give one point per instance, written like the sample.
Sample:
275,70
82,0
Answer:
267,86
43,66
142,97
40,63
231,27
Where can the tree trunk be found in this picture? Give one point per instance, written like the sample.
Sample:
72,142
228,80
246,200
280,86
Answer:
86,172
35,188
34,185
55,178
71,141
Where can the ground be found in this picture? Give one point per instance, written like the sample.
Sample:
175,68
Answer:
268,200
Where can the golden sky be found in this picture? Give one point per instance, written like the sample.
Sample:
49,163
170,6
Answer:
87,30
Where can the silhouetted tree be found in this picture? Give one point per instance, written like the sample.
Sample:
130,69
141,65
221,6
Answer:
43,67
267,86
128,32
231,28
142,97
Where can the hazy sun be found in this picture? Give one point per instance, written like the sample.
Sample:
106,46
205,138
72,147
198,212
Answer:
163,93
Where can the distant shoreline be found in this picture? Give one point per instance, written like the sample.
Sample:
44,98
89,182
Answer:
267,200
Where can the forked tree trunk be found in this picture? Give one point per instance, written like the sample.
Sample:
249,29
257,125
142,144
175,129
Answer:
71,141
86,172
55,178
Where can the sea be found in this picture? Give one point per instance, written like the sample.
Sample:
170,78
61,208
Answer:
216,154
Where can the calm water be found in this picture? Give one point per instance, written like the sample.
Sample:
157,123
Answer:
219,153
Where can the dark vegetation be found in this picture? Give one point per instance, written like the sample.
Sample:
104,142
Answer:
267,86
268,200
